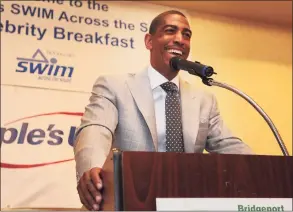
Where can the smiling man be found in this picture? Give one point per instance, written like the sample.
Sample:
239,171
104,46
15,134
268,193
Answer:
169,36
150,110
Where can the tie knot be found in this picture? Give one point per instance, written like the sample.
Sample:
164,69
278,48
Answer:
169,86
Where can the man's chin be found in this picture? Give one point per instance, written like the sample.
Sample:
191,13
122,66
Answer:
168,67
167,61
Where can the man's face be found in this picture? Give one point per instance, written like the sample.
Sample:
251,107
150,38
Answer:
172,38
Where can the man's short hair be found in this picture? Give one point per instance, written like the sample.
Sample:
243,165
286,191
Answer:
158,19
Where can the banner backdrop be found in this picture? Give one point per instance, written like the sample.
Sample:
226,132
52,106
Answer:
68,44
52,51
37,166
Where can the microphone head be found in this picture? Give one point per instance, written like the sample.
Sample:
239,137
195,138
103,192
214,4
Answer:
174,63
209,71
194,68
205,70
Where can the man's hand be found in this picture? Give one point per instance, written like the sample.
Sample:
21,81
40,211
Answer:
89,189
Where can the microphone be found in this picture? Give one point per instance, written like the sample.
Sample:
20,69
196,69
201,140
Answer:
194,68
204,72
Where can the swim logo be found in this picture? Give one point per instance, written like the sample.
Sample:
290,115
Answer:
43,68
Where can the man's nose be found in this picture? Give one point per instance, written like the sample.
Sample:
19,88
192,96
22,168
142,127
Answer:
178,38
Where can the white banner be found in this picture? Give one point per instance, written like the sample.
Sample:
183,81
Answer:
224,204
37,130
67,44
58,49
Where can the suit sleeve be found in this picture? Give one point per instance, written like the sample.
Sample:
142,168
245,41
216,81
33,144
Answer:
220,138
94,137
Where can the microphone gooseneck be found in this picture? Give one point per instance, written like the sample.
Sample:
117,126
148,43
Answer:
204,72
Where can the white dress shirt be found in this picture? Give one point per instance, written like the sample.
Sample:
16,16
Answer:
159,95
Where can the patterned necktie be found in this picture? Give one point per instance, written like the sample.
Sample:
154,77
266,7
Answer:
174,135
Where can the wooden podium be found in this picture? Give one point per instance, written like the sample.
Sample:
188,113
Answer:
138,178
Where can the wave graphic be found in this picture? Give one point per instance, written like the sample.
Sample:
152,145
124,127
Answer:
25,166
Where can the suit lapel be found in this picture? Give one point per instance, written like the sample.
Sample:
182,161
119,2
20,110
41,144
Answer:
190,115
141,91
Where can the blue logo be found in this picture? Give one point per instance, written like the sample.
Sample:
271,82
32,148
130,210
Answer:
45,70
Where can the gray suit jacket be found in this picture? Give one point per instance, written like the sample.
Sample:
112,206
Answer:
121,114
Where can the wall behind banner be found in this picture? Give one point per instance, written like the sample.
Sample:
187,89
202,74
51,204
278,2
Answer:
257,59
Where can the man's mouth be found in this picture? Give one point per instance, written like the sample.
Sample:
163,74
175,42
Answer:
175,52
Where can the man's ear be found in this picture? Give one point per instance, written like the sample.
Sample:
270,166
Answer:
148,41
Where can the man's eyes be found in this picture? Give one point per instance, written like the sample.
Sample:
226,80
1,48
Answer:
187,35
170,31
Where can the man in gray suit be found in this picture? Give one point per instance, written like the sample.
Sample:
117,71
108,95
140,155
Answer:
153,110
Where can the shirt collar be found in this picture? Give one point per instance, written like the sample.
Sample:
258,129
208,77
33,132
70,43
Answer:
157,79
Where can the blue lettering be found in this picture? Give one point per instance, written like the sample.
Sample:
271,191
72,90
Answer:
132,43
50,69
124,43
71,135
143,27
2,8
22,65
105,23
36,133
41,68
59,33
55,135
15,9
22,133
63,71
63,16
32,11
53,1
10,28
36,136
29,10
38,67
12,136
48,15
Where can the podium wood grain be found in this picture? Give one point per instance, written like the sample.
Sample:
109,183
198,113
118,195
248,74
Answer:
147,176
